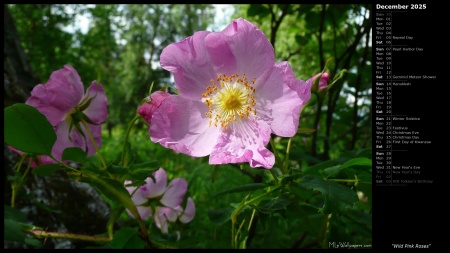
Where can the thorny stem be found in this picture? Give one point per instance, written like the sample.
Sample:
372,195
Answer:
40,233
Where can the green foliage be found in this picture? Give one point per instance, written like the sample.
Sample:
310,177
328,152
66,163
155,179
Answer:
46,169
337,197
27,130
75,154
127,238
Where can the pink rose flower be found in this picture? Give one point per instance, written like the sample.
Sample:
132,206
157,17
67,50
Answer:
64,103
232,97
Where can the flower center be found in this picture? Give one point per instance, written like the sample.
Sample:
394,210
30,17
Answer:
229,101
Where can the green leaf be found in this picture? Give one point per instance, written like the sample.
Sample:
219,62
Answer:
28,130
12,231
316,169
115,169
46,169
33,242
337,196
142,174
219,217
13,214
289,178
151,164
75,154
242,188
360,161
127,238
332,171
275,204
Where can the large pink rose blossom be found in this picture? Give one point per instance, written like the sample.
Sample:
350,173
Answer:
63,102
232,97
162,201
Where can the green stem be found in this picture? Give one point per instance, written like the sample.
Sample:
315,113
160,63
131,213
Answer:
112,220
288,150
239,208
325,229
15,185
130,125
39,233
63,164
95,145
275,152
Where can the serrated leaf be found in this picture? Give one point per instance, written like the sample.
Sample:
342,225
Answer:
242,188
28,130
289,178
46,169
75,154
219,217
276,204
337,197
127,238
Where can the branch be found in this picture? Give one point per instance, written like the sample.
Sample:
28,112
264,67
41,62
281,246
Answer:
40,234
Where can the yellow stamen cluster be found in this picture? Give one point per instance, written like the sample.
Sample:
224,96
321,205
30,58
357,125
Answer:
232,99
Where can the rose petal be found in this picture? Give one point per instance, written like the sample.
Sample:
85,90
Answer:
59,95
277,103
240,48
189,212
180,124
190,65
157,189
174,194
97,111
162,217
244,141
